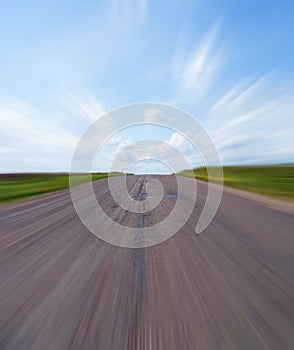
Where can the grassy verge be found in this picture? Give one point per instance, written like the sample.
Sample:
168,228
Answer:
270,180
15,187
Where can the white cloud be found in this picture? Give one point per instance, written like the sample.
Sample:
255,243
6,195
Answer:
171,152
154,115
195,70
179,142
84,108
254,123
32,141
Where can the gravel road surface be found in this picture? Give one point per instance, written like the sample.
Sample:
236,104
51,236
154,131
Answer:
230,287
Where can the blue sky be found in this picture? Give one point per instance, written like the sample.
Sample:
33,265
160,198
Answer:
65,63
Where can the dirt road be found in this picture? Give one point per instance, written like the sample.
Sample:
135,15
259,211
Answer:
63,288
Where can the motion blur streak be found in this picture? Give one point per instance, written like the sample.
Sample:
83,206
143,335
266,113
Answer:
228,288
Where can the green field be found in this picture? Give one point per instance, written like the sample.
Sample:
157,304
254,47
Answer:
15,187
270,180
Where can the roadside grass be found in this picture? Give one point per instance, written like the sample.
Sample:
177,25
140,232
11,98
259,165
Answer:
270,180
14,187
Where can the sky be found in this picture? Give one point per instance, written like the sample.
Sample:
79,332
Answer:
64,64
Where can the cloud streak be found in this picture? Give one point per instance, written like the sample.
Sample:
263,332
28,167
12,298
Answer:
31,143
195,69
254,123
